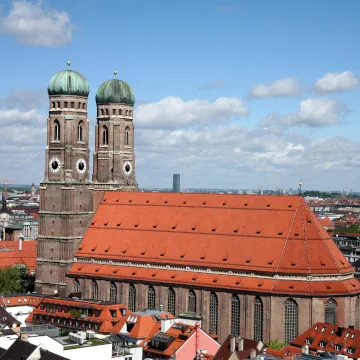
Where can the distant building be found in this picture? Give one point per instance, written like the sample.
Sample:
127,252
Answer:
176,182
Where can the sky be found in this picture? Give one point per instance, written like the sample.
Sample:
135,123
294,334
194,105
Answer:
230,94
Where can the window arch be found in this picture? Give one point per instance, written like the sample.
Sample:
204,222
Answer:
94,290
65,104
53,104
151,298
58,104
56,130
80,131
105,136
72,105
192,302
76,286
102,111
113,293
127,133
213,315
127,112
132,298
291,320
106,112
330,312
120,112
258,319
235,315
171,301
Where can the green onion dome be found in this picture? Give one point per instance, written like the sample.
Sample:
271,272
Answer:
115,91
68,82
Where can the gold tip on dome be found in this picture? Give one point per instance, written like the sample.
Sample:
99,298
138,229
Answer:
115,72
68,63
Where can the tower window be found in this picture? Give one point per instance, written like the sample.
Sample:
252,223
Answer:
105,136
65,104
213,314
120,112
53,104
127,112
56,130
102,111
80,131
132,298
192,302
58,104
72,105
127,130
106,112
84,106
114,111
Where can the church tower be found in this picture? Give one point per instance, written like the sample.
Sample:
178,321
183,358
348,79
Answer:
114,157
65,194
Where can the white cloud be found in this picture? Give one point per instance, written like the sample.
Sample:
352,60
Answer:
34,25
313,112
17,117
287,87
24,99
173,112
212,85
337,82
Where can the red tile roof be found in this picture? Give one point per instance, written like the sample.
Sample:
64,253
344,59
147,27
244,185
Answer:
20,300
10,254
330,336
276,235
105,321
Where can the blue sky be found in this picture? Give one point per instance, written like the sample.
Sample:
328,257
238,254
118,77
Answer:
263,60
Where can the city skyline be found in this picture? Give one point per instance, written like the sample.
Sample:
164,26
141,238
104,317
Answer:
239,90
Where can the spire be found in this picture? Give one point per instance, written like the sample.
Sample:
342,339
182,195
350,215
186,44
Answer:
3,202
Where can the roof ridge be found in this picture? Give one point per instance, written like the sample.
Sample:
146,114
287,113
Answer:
305,235
324,242
286,240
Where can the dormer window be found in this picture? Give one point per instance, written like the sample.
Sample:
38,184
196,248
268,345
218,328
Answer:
347,335
322,344
353,336
323,329
308,341
351,350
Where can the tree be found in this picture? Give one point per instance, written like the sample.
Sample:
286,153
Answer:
16,280
274,344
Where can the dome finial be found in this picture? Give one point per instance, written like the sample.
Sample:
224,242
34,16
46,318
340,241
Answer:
68,63
115,73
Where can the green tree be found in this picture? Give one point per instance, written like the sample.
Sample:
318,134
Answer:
15,280
275,344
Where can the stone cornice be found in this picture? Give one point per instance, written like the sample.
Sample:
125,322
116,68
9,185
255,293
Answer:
311,278
65,213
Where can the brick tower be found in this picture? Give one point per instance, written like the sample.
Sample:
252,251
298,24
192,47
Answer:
65,194
114,157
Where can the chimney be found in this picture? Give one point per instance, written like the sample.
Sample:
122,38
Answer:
161,307
305,349
240,344
252,354
21,238
232,344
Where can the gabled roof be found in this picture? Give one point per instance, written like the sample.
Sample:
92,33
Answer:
10,254
10,300
7,319
277,234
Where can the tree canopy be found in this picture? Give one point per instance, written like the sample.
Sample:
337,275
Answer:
16,280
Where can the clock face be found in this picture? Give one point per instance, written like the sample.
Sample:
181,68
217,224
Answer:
81,166
54,165
127,167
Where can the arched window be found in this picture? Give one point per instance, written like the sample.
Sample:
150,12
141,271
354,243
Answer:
171,301
213,315
105,136
53,104
235,315
127,112
84,106
106,112
76,286
72,105
330,312
94,290
120,112
151,298
291,320
192,302
56,130
102,111
80,131
258,319
113,293
127,131
132,298
58,104
65,104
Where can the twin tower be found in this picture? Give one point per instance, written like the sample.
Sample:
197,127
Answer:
68,199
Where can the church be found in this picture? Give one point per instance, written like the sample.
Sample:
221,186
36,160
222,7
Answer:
261,267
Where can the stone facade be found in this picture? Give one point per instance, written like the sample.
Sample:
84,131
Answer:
310,310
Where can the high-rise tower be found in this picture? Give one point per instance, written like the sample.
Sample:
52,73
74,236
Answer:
114,157
65,194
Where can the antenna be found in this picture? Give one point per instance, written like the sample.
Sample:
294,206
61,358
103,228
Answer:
300,185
